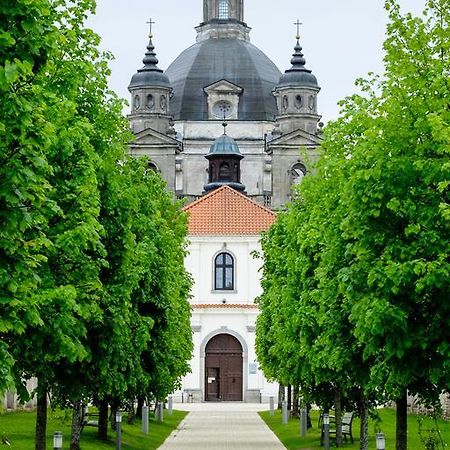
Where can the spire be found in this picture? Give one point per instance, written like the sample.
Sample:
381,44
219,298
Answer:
298,60
150,74
298,74
150,60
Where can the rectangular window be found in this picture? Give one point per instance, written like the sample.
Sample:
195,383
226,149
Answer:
223,9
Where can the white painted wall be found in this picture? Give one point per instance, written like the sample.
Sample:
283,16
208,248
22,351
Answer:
240,322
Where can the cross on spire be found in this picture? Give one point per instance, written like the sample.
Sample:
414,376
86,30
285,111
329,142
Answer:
298,23
150,22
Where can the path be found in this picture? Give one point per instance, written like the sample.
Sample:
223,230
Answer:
222,426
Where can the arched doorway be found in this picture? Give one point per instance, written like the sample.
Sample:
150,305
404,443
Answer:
223,369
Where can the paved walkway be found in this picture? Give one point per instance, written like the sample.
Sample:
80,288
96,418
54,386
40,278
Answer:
222,426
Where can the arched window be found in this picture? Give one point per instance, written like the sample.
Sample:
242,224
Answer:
224,272
224,9
224,172
298,171
152,166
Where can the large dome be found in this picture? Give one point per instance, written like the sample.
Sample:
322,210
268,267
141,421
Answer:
211,60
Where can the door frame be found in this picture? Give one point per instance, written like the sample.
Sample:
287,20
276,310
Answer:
202,375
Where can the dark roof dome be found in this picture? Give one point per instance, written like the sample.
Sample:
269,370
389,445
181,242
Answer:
231,59
224,145
298,74
150,74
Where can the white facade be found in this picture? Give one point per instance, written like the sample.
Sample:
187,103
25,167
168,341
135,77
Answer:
225,312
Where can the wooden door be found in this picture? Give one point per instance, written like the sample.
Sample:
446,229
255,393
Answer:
223,369
213,384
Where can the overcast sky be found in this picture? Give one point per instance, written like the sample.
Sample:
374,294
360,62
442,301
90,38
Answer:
341,39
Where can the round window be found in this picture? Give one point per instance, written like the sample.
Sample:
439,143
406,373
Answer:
222,109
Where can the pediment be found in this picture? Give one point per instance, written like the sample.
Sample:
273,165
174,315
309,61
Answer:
296,138
150,137
223,87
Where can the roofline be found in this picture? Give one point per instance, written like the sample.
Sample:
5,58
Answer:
215,191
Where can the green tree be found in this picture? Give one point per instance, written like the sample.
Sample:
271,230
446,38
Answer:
371,231
27,42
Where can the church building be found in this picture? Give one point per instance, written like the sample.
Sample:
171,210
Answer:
231,135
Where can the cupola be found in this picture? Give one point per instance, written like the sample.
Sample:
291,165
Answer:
223,19
296,96
224,164
150,91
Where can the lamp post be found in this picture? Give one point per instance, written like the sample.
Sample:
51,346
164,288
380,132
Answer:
284,412
381,442
303,421
326,431
119,430
145,419
57,440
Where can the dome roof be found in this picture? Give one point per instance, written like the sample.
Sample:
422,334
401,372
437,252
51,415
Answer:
231,59
150,74
224,145
298,74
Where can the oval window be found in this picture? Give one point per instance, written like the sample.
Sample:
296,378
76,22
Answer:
298,101
137,102
150,101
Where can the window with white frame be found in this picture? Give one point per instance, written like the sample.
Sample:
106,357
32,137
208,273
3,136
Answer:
224,272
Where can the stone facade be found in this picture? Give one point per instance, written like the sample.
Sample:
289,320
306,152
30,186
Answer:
272,117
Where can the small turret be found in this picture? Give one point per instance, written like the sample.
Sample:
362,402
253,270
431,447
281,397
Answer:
296,95
224,163
150,91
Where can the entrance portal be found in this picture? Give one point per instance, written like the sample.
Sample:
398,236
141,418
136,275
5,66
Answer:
223,369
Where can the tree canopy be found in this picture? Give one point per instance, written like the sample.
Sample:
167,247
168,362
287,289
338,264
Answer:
359,263
92,280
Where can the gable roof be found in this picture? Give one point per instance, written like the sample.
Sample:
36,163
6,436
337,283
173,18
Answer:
296,138
225,212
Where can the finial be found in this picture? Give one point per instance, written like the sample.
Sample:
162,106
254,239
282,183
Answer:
150,60
150,22
298,23
224,124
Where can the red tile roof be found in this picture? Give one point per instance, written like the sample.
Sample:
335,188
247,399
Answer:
225,211
225,305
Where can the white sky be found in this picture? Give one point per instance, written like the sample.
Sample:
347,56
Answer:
341,39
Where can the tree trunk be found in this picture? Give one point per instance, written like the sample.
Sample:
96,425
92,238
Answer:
295,411
112,415
280,395
338,416
77,421
402,422
289,397
103,420
131,413
140,404
41,418
364,425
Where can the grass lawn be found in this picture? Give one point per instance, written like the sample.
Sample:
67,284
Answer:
289,434
18,427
